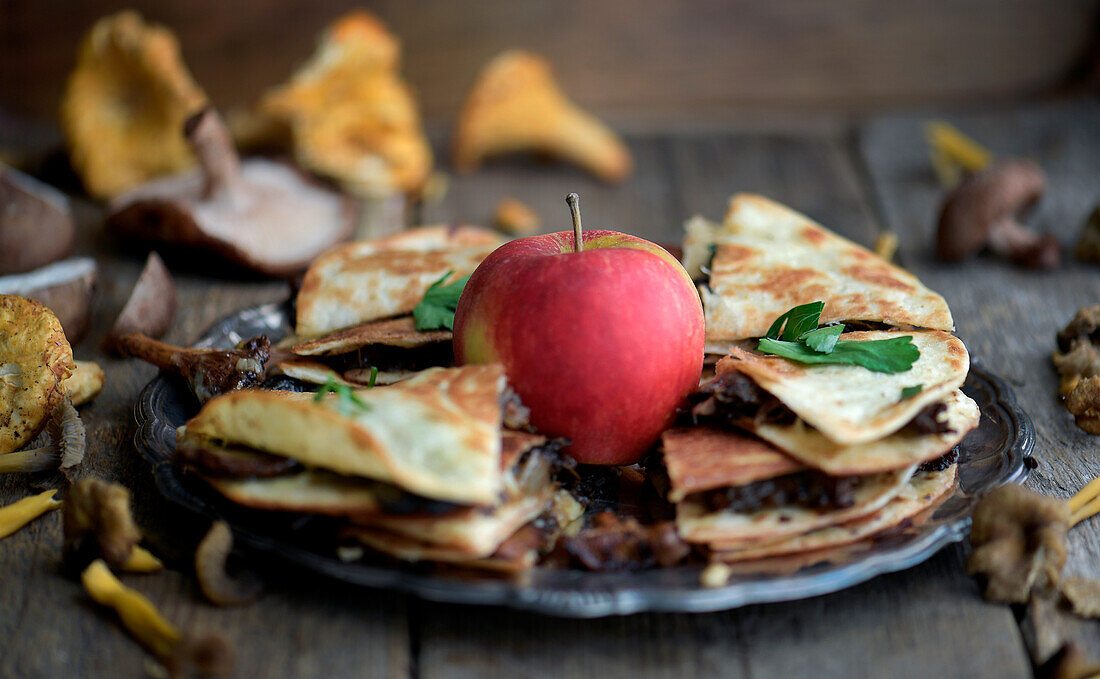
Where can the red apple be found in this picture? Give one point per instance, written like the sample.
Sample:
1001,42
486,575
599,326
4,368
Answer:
602,345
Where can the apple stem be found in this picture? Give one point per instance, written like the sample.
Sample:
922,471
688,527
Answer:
575,208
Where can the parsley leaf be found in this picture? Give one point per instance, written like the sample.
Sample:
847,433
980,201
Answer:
822,339
796,322
347,402
437,309
910,392
893,355
373,376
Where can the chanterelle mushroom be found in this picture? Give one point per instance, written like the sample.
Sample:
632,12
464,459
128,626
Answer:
124,104
516,105
351,116
982,212
209,371
260,214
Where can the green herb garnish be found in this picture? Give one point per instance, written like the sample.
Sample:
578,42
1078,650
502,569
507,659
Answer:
910,392
792,325
437,309
347,402
373,376
796,336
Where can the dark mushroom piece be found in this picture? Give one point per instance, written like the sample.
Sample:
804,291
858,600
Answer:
262,215
982,212
36,224
64,287
97,520
209,372
151,306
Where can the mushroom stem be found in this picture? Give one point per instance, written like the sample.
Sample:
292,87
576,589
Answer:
1009,238
211,141
575,209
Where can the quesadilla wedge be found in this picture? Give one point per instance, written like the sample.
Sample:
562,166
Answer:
758,496
850,404
373,280
924,490
766,258
436,435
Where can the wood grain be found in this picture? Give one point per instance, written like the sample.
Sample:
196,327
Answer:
1008,317
636,61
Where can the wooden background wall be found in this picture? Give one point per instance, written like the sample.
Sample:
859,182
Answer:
633,61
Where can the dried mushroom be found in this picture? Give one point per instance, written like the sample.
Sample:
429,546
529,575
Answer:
516,105
351,116
85,383
982,213
35,358
36,223
150,307
1078,363
1019,543
259,214
97,520
209,372
125,103
515,218
1083,596
65,287
210,568
1083,402
1088,247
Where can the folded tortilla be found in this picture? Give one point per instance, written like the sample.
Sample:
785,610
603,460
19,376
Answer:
698,459
372,280
768,258
923,490
436,434
850,404
698,523
900,449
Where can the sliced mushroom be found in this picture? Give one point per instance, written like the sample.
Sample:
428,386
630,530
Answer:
209,372
516,105
210,568
259,214
36,223
85,383
151,306
64,287
982,212
124,104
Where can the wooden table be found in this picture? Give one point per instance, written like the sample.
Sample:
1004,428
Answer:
929,621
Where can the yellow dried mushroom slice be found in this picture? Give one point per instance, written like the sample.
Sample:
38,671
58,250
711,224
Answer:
125,104
34,359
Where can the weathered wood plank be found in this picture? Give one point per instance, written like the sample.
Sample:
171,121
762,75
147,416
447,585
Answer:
1007,316
48,627
925,622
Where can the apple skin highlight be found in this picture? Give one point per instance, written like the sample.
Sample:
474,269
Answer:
602,345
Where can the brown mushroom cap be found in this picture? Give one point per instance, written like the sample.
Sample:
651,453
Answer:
64,287
151,306
36,224
259,214
998,193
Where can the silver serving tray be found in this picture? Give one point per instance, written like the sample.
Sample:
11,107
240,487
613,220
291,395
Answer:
994,454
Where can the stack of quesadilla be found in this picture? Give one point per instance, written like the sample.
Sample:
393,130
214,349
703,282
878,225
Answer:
421,470
788,457
354,310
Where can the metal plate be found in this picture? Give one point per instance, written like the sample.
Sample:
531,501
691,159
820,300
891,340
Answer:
994,454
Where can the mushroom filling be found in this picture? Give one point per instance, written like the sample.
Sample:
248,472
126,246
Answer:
393,359
532,471
733,399
809,489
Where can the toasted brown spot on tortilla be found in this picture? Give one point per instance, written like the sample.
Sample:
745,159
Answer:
877,275
813,235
